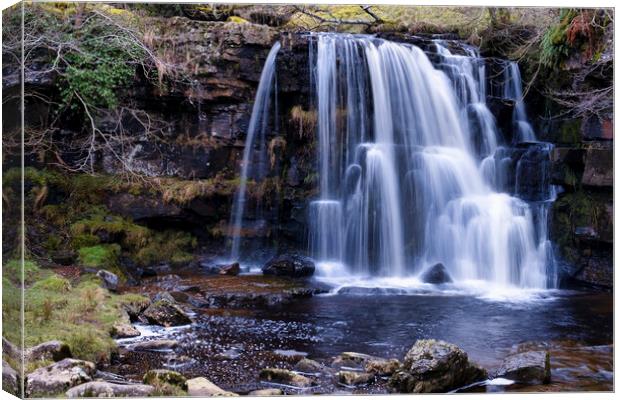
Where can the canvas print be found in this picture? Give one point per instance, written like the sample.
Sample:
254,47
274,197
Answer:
268,199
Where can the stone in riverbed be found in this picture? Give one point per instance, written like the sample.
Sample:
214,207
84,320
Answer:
154,345
433,366
437,274
57,378
351,359
54,350
158,377
382,367
266,392
230,269
531,367
285,377
352,378
166,313
309,366
291,265
121,330
202,387
108,389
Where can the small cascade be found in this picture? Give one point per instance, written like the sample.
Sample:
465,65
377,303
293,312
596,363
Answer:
254,164
512,90
412,168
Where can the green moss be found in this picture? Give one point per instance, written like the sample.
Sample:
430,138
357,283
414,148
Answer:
84,240
100,256
173,246
13,271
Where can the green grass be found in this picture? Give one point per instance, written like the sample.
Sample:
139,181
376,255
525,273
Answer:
80,314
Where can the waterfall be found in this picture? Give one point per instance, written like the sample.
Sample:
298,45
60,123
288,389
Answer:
255,142
513,91
412,171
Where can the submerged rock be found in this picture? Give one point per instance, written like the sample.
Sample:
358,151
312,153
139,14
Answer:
266,392
57,378
432,366
154,345
531,367
285,377
352,378
108,389
437,274
292,265
351,359
54,350
202,387
164,312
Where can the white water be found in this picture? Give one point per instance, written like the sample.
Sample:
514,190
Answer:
257,129
411,170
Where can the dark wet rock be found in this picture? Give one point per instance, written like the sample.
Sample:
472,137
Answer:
202,387
598,170
252,300
142,206
110,377
159,377
122,330
309,366
351,359
291,265
437,274
189,288
134,309
166,313
266,392
432,366
57,378
382,367
108,280
108,389
53,350
532,367
230,269
285,377
10,379
353,378
154,345
181,297
64,257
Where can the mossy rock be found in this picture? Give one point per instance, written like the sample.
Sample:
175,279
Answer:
159,377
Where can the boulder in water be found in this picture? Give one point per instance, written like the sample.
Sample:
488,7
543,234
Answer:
154,345
266,392
292,265
432,366
164,312
122,330
160,377
230,269
382,367
108,389
532,367
437,274
285,377
353,378
309,366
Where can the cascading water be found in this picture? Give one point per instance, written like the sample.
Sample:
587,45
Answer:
255,142
513,91
411,167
